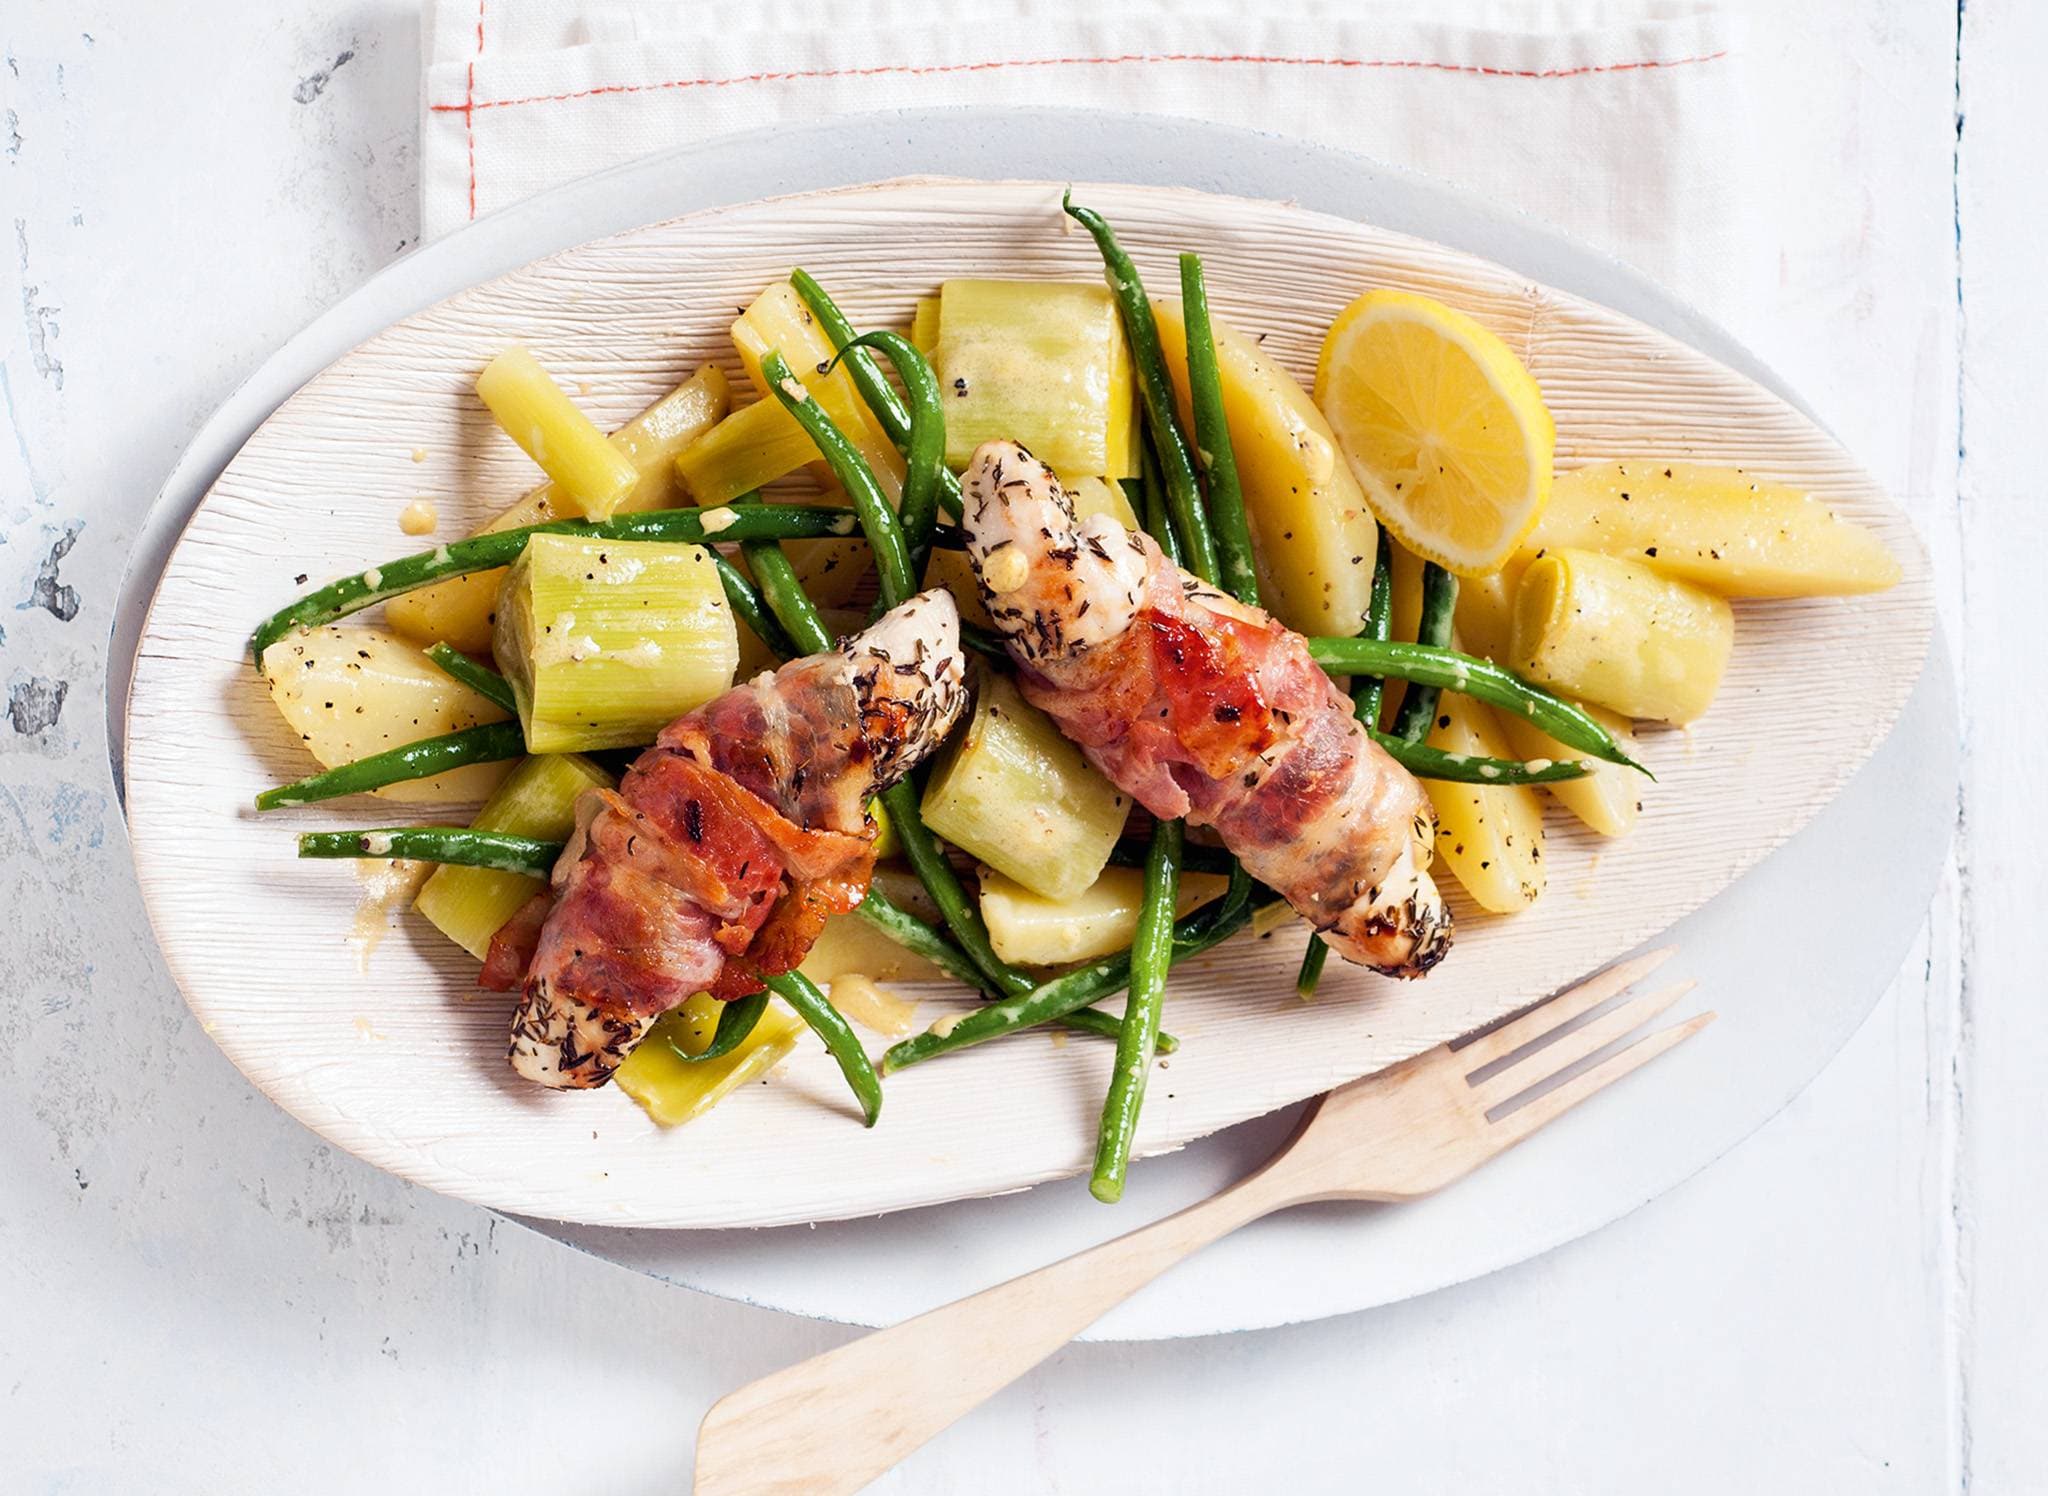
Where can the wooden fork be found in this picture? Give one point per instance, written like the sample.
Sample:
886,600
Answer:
837,1421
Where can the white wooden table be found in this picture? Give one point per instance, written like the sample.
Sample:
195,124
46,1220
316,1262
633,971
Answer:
196,1295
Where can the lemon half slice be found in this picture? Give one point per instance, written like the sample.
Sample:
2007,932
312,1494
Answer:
1443,426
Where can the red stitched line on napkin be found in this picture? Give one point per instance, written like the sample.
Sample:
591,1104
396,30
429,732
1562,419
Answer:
470,105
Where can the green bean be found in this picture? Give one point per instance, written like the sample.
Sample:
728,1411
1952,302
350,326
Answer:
736,521
1425,762
1109,1026
1155,516
829,1024
736,1021
1239,577
920,939
481,679
1151,957
460,845
1471,676
1310,973
877,519
784,595
490,743
873,385
924,455
1439,604
962,916
745,600
1367,692
1184,494
1065,994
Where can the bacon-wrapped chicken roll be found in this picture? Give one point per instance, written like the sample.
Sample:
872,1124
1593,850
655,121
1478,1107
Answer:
1199,706
725,846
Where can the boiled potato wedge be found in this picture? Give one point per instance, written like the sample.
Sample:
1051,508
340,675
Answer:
1717,528
1609,798
1312,535
352,692
1485,614
459,611
1490,835
1029,929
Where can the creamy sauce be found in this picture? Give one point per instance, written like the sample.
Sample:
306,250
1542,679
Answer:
717,521
418,517
419,454
873,1007
946,1025
1005,570
388,887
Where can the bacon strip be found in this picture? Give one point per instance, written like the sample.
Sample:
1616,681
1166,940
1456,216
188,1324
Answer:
726,845
1201,707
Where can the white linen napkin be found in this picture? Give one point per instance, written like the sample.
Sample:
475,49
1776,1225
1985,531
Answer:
1625,122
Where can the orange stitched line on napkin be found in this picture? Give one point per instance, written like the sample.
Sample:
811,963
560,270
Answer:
470,105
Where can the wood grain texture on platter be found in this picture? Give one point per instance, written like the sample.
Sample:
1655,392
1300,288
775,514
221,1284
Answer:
383,1045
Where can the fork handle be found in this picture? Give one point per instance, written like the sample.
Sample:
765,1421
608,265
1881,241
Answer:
837,1421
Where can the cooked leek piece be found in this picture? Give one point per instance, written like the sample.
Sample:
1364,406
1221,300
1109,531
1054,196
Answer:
924,325
605,642
538,798
1620,635
672,1090
1028,929
1717,528
771,445
1095,496
592,477
459,611
755,445
351,692
1609,798
779,321
1041,363
759,443
1016,794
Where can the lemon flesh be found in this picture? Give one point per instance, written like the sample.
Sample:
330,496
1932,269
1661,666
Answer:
1443,427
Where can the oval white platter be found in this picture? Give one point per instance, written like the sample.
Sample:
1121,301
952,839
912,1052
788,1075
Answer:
395,1060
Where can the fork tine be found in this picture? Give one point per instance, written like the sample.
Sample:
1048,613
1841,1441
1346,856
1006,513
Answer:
1563,1008
1560,1054
1522,1121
